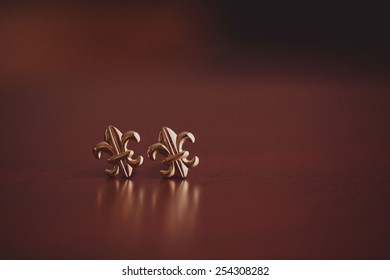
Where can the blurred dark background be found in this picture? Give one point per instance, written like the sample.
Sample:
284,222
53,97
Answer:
310,70
348,27
50,39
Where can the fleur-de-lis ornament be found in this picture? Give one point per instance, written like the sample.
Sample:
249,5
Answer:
170,145
115,145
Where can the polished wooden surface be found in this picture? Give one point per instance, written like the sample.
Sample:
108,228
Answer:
294,153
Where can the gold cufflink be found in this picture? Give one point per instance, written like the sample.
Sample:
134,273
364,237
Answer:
170,146
115,145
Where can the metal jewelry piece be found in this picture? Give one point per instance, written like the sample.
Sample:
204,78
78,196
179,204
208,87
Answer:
115,145
170,146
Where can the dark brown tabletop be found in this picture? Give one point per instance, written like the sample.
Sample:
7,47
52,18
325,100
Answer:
293,146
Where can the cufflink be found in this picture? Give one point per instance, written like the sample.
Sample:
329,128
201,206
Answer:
120,156
170,145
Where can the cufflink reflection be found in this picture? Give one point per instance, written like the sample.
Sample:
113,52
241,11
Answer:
169,207
182,208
